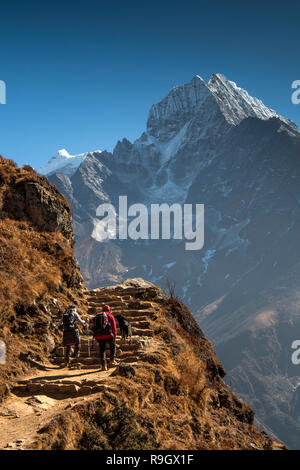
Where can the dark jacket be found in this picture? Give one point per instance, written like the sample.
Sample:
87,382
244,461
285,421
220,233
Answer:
71,335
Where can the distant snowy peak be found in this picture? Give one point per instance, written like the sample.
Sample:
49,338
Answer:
198,98
63,162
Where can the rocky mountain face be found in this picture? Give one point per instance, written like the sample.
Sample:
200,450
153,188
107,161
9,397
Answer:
212,144
39,275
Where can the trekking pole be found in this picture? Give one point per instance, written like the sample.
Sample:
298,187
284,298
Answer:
93,340
88,333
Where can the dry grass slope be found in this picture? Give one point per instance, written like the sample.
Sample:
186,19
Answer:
39,275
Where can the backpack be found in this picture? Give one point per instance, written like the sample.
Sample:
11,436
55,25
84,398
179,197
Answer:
69,320
102,327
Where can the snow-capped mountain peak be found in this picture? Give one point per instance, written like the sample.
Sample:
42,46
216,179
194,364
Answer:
63,162
206,100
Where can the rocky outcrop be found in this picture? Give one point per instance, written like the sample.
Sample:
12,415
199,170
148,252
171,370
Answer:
26,197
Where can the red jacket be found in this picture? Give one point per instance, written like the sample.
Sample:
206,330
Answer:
112,321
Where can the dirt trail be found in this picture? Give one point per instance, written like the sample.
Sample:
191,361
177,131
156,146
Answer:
22,416
40,396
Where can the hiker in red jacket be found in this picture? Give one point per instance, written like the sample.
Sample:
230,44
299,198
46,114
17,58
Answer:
105,332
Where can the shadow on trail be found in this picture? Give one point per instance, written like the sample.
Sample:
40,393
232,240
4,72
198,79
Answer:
24,357
63,376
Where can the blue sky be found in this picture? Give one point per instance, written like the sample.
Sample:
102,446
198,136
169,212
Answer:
81,75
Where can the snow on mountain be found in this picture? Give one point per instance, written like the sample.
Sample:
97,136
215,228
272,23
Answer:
236,104
198,98
63,162
168,149
193,112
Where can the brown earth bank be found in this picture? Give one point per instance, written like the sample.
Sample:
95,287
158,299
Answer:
167,390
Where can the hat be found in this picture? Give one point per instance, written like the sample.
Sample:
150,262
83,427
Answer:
106,308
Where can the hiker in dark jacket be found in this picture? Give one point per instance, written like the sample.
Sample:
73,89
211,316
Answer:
71,333
105,332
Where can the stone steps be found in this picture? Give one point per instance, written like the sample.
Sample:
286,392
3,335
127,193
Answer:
129,314
84,341
137,312
94,353
138,330
83,354
143,325
104,292
75,360
138,305
135,318
103,296
94,349
114,304
131,304
140,325
96,366
141,332
60,389
108,300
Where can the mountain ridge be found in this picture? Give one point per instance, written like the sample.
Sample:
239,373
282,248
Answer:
234,103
